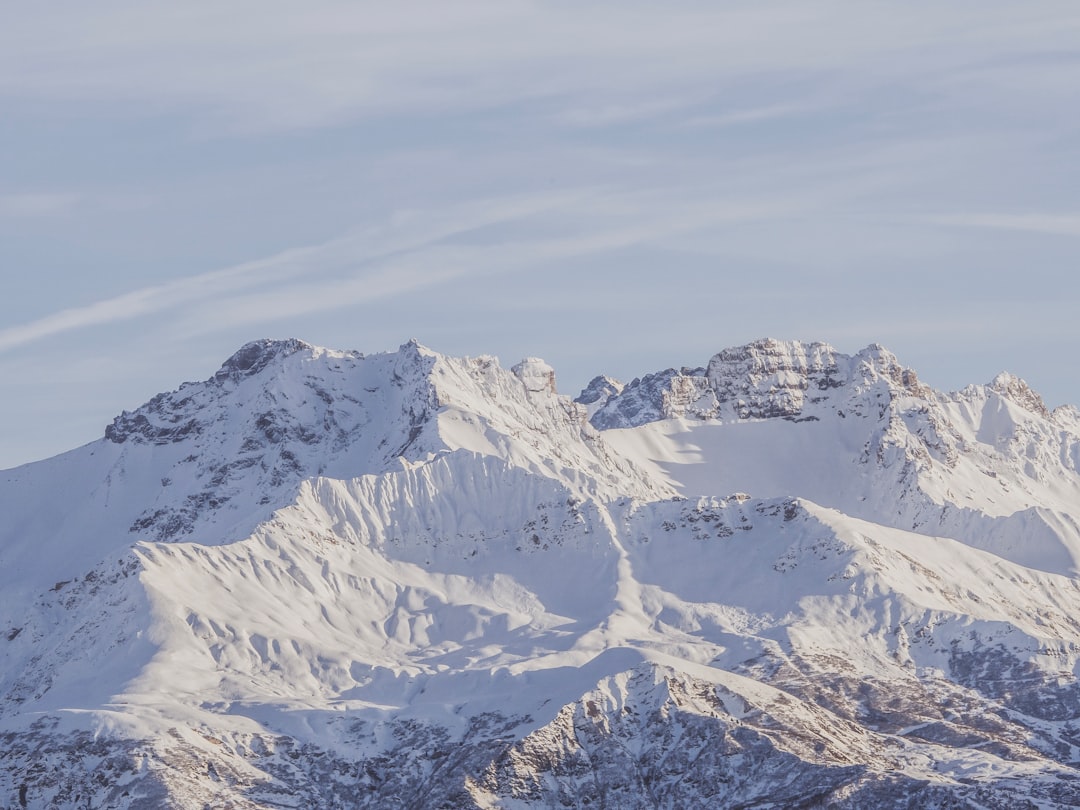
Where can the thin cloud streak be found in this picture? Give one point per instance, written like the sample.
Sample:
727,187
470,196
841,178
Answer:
1060,224
752,115
340,61
405,231
434,264
149,300
38,204
402,254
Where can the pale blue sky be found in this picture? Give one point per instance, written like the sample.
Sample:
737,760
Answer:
616,187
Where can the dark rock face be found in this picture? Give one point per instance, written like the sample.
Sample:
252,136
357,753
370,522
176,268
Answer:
641,401
57,770
647,739
672,745
137,427
998,673
277,412
599,390
169,418
251,358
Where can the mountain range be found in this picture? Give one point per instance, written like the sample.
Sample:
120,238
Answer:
788,578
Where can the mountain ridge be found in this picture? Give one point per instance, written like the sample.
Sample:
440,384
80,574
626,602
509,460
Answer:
405,579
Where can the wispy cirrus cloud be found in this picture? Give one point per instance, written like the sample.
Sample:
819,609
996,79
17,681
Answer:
146,301
411,251
38,204
319,65
403,232
1060,224
748,115
625,223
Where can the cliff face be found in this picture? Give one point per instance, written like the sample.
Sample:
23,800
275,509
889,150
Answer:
328,579
761,380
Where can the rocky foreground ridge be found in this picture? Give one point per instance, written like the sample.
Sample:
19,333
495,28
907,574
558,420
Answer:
788,578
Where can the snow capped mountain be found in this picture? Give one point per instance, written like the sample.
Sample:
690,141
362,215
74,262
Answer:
861,434
790,577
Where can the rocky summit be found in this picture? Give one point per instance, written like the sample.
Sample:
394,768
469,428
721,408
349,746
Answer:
789,577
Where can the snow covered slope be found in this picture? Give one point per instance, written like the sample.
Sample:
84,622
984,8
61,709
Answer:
326,579
989,465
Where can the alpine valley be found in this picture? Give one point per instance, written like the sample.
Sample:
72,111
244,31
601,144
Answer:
790,578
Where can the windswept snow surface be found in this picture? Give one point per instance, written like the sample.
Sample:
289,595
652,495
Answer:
327,579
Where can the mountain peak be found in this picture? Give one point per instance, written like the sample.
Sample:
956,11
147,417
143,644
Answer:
1017,390
536,375
408,579
253,357
413,347
793,350
762,379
